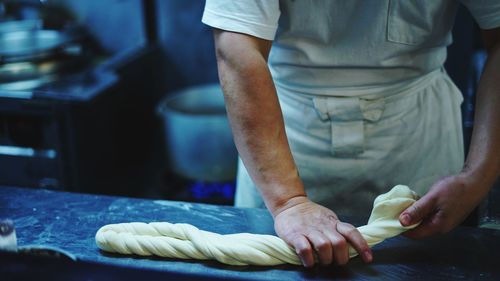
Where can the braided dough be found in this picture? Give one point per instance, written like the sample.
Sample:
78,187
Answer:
185,241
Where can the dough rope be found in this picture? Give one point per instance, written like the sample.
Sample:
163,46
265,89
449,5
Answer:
185,241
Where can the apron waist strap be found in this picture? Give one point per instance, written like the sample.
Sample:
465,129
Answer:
348,114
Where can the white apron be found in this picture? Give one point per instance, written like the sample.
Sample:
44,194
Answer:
350,148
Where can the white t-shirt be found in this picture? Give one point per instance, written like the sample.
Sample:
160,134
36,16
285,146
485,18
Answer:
321,46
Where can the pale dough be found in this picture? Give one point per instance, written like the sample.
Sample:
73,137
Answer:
185,241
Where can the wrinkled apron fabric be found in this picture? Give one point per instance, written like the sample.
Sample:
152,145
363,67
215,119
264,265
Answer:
349,147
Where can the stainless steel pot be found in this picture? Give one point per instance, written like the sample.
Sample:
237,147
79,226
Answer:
197,134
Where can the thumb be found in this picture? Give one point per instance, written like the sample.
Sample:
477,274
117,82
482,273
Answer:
417,212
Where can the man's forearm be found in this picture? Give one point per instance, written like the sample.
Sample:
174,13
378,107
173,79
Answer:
451,199
256,119
483,159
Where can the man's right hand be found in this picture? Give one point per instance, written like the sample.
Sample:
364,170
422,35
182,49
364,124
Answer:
314,230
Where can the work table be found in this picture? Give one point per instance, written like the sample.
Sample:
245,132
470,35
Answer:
69,221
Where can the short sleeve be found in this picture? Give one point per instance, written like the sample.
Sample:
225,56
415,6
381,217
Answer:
258,18
485,12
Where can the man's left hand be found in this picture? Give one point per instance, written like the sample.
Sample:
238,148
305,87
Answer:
448,203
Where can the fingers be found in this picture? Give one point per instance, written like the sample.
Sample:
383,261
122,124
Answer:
356,240
323,247
435,224
425,229
418,211
303,249
339,247
331,246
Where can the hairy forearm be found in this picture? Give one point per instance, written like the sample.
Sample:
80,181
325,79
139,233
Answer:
256,121
483,159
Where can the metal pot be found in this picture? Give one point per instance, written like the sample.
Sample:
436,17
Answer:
198,138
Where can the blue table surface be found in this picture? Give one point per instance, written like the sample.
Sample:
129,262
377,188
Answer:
69,221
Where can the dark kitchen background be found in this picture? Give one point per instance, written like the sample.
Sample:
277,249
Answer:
121,97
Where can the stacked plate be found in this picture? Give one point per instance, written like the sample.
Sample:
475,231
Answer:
30,57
